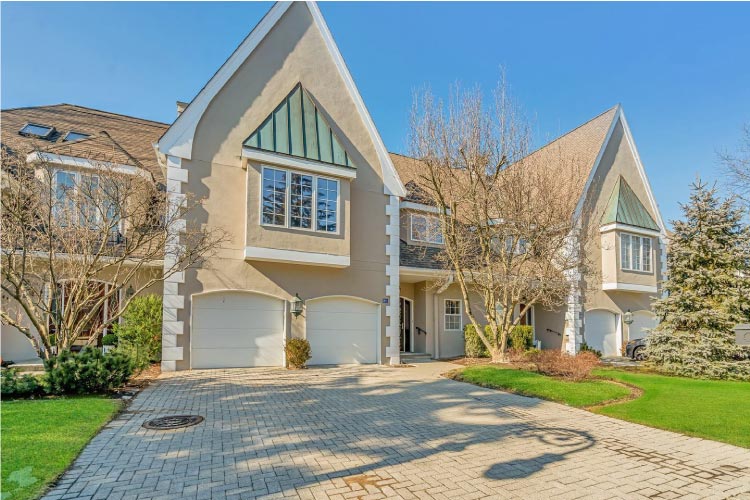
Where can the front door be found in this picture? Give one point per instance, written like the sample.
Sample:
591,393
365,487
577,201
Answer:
405,323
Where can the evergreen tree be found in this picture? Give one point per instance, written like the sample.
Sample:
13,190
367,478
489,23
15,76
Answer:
707,291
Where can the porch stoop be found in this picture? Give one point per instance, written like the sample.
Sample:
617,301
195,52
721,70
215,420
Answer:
415,357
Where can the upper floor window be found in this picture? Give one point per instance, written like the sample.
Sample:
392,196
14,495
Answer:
82,200
635,252
301,201
426,228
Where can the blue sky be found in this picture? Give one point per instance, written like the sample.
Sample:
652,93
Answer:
680,69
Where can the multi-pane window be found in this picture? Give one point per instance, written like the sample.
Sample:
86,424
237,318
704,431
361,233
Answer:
635,252
328,199
426,228
274,197
79,198
452,314
301,201
312,201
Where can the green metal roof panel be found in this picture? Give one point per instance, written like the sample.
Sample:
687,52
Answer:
297,128
624,207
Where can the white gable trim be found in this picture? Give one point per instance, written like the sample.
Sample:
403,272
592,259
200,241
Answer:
391,180
642,172
620,116
178,139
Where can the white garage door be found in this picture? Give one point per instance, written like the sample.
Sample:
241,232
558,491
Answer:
600,331
237,330
642,322
342,331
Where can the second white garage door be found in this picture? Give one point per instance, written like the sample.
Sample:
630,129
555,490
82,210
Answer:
643,321
237,330
342,330
600,331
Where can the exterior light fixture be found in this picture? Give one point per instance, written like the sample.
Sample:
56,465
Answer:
628,317
296,304
129,292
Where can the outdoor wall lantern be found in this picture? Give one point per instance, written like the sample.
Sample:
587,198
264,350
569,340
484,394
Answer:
628,317
297,303
129,292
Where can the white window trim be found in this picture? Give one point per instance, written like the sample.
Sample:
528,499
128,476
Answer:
426,217
641,254
460,315
83,163
287,199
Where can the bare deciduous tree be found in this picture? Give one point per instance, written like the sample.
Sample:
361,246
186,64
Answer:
737,166
511,236
66,232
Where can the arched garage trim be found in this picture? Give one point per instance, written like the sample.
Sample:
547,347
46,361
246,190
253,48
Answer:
326,298
617,349
283,312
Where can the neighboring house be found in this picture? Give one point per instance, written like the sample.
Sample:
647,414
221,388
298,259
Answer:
328,238
78,141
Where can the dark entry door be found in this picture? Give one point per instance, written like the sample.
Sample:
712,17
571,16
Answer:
405,344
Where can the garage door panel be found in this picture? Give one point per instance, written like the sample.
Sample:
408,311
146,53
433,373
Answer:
344,321
236,330
222,318
228,338
342,331
234,358
600,331
642,322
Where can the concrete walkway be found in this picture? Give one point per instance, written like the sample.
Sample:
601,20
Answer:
379,432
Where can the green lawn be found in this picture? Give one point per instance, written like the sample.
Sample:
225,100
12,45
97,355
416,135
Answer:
587,393
712,409
40,439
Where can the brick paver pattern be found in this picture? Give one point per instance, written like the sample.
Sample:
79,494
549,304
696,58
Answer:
379,432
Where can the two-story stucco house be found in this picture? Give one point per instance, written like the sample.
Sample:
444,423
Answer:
326,241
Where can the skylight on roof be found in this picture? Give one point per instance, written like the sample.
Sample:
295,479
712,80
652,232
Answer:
74,136
36,130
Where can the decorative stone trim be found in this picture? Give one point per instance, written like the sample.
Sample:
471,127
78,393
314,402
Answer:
574,312
392,349
173,301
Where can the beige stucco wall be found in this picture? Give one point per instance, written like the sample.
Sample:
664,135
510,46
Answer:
293,52
603,250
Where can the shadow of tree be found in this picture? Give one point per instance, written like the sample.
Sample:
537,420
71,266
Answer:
277,431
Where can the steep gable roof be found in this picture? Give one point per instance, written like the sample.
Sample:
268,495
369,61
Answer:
297,128
624,207
178,139
578,149
112,137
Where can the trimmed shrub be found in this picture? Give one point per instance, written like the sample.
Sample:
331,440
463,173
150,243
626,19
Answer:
88,372
521,338
297,353
585,348
473,345
13,385
139,332
558,364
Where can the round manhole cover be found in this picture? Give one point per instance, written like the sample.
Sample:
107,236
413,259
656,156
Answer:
173,422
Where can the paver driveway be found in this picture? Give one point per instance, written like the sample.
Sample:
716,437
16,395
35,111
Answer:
379,432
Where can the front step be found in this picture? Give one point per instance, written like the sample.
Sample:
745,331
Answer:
414,357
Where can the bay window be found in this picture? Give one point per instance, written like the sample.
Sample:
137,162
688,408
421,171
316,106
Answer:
635,252
299,201
77,200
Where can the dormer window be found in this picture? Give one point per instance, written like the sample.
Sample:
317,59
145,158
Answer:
37,130
426,229
74,136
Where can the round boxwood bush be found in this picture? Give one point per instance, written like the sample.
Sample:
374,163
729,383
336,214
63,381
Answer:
297,352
